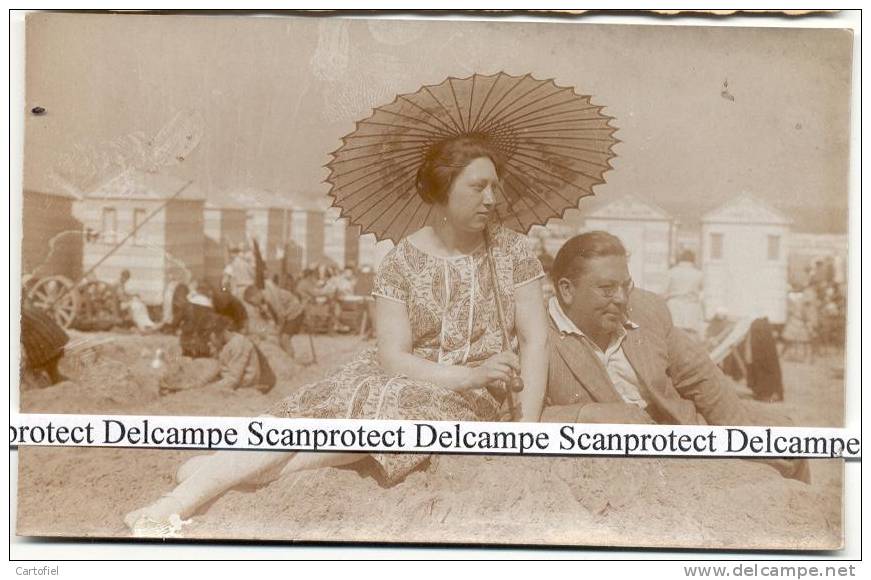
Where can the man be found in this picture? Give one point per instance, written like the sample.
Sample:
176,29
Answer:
615,356
240,272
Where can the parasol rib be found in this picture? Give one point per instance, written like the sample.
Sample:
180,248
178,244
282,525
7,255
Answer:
559,177
485,121
346,197
441,131
401,163
419,132
523,198
358,147
553,164
408,200
563,122
510,209
597,164
448,113
392,182
593,139
544,184
507,118
606,152
502,117
457,104
474,126
412,222
471,101
388,156
517,124
424,110
531,191
397,138
375,203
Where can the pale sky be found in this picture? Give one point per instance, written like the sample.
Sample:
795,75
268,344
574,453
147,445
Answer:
269,98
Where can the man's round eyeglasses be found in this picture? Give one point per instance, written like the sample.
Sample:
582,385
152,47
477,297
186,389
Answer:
611,290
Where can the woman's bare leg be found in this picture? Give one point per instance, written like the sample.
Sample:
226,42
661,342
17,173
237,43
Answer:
210,476
304,461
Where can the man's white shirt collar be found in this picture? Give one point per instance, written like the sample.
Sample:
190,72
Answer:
565,325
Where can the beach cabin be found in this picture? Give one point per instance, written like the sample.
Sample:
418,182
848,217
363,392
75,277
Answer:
52,242
168,242
341,240
305,236
744,259
645,229
225,225
265,213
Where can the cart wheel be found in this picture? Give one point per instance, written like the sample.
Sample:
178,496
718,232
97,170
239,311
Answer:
57,296
98,301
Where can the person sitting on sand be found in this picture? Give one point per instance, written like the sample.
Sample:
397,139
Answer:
241,363
439,353
616,357
42,342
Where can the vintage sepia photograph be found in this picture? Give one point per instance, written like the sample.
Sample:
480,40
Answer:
302,215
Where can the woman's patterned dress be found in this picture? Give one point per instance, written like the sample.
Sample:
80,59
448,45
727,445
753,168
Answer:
452,309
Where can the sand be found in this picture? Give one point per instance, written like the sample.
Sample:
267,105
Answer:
678,503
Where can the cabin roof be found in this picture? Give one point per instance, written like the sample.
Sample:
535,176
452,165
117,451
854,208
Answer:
746,209
144,185
61,194
253,198
625,207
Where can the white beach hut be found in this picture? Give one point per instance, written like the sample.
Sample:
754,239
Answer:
646,231
744,258
167,248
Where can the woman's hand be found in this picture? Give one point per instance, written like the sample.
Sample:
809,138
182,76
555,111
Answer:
499,367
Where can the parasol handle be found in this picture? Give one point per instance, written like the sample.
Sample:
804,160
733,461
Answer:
515,383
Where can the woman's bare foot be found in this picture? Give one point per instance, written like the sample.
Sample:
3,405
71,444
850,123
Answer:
160,519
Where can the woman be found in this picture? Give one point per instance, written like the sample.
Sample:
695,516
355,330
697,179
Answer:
684,295
440,350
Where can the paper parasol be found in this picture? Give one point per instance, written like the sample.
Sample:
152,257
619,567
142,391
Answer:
557,145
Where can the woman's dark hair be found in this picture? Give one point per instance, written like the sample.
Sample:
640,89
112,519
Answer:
446,159
570,260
